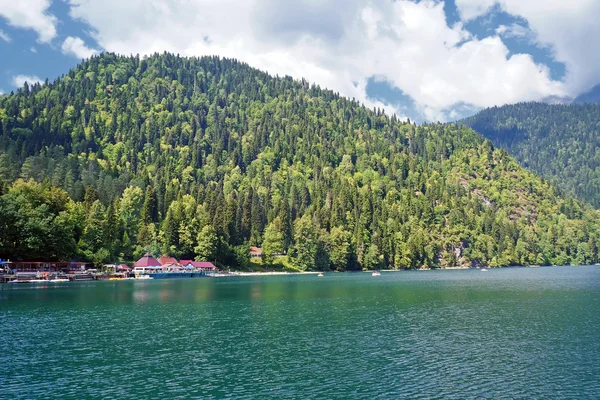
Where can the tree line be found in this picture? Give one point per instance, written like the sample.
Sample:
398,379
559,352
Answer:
203,157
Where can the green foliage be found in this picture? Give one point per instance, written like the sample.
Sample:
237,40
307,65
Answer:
273,243
202,157
35,223
559,142
340,248
207,240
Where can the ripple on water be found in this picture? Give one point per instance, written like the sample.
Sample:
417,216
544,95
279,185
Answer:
516,333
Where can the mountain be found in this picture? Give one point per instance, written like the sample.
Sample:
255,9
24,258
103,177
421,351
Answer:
593,96
557,100
202,157
559,142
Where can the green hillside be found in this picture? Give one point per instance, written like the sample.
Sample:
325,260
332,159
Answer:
202,157
559,142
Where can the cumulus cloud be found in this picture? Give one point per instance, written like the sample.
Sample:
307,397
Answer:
76,47
341,44
569,28
338,44
19,80
4,36
30,14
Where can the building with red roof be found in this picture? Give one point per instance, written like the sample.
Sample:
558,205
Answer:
200,265
147,261
255,251
167,260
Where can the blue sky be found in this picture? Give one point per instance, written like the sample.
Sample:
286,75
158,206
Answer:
427,60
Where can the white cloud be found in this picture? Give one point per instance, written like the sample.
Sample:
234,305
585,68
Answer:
76,47
30,14
514,31
337,44
4,36
33,49
569,28
19,80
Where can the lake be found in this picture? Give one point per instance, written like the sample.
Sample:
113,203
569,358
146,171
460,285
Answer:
508,333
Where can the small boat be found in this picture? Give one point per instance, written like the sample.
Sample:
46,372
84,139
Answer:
376,273
58,280
320,275
144,277
483,270
38,281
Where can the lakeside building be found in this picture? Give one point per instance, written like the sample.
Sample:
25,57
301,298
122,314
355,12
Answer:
255,252
49,266
198,265
167,261
147,261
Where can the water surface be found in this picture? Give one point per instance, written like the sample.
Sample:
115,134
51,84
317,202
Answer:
508,333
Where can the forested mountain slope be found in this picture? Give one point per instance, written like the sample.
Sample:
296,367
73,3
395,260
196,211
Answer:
559,142
201,157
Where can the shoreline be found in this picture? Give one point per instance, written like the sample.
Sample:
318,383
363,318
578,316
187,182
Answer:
280,273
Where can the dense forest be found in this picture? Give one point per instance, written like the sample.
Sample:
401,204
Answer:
203,157
559,142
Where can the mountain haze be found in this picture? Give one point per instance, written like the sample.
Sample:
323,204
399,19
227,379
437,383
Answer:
592,96
202,157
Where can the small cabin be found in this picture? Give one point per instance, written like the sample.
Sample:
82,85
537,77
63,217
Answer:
255,252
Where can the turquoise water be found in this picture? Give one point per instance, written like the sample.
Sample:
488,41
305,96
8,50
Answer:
508,333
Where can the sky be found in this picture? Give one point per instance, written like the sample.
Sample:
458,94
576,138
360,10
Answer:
428,60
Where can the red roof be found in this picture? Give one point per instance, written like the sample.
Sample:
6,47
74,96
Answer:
167,260
123,266
147,261
199,264
255,250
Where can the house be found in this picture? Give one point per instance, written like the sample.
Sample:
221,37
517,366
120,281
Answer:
199,265
167,261
123,267
147,261
48,266
255,251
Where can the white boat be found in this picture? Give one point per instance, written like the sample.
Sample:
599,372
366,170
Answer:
38,281
376,273
483,270
143,277
58,280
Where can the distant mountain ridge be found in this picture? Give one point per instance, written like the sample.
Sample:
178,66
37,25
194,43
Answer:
559,142
592,96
